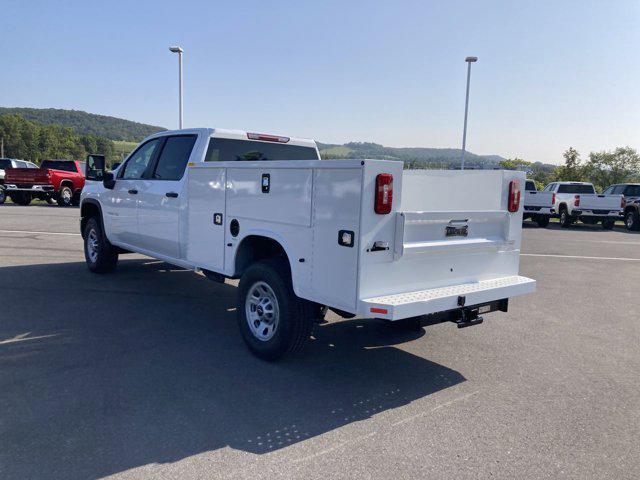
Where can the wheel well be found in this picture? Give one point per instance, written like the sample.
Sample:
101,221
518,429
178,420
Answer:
87,211
67,183
630,208
563,206
254,248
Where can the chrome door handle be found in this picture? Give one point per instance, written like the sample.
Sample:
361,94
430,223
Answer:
171,194
133,191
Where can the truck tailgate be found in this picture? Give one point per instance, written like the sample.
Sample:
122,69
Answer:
452,236
602,203
538,199
26,176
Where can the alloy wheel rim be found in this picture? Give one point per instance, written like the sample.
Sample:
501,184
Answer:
66,195
92,245
262,311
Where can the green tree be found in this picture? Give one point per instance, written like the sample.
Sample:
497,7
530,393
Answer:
572,170
514,163
608,167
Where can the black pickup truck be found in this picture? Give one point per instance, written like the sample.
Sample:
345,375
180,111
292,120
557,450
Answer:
631,211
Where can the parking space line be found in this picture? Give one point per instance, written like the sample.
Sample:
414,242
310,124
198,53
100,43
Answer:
579,257
40,233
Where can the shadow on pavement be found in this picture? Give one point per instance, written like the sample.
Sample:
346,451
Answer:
579,226
101,374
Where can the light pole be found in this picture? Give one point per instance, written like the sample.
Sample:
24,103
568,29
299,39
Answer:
469,61
178,50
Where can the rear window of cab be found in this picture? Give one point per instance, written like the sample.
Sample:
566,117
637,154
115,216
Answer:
232,150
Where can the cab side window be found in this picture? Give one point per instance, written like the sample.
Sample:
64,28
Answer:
608,191
139,161
174,157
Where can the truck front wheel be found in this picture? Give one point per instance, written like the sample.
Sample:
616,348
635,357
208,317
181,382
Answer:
632,220
273,321
608,223
542,220
65,196
20,198
100,255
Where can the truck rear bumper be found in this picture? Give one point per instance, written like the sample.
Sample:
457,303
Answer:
425,302
12,187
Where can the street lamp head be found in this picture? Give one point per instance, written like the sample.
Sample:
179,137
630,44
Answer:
176,49
471,59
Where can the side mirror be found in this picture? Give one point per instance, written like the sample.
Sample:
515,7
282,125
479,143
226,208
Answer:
109,180
95,168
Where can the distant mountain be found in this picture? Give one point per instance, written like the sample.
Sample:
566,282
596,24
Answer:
415,155
85,123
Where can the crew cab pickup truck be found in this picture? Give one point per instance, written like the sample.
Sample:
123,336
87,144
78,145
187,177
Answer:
59,180
579,201
7,164
360,237
538,206
631,205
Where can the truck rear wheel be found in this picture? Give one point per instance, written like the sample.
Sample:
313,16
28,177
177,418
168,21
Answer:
273,321
632,220
100,255
65,196
542,220
608,223
565,218
20,198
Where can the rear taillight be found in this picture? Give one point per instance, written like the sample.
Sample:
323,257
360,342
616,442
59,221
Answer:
514,196
553,199
384,193
623,202
576,201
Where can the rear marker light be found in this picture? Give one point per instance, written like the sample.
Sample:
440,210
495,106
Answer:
514,196
384,193
379,310
267,138
576,201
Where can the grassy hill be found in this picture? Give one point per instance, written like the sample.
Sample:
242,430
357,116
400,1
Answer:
84,123
414,156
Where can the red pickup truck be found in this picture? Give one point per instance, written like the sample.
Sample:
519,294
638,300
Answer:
59,180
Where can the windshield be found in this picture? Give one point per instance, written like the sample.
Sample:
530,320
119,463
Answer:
65,165
576,188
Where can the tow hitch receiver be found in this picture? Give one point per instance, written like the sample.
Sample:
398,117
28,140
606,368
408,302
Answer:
468,317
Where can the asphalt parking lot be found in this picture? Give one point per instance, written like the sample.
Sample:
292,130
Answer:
142,373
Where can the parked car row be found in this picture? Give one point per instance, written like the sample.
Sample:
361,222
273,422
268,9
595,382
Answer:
578,201
55,180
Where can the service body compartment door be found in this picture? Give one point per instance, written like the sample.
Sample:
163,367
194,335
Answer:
206,217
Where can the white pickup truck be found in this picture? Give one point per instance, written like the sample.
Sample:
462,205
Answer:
579,201
538,206
360,237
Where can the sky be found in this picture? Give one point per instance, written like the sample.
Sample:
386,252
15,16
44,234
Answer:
550,74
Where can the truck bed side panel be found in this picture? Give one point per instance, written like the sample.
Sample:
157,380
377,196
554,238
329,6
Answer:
336,207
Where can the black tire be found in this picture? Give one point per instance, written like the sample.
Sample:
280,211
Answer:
49,200
565,218
589,220
632,220
64,196
21,198
608,224
542,220
101,257
75,200
3,195
295,316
